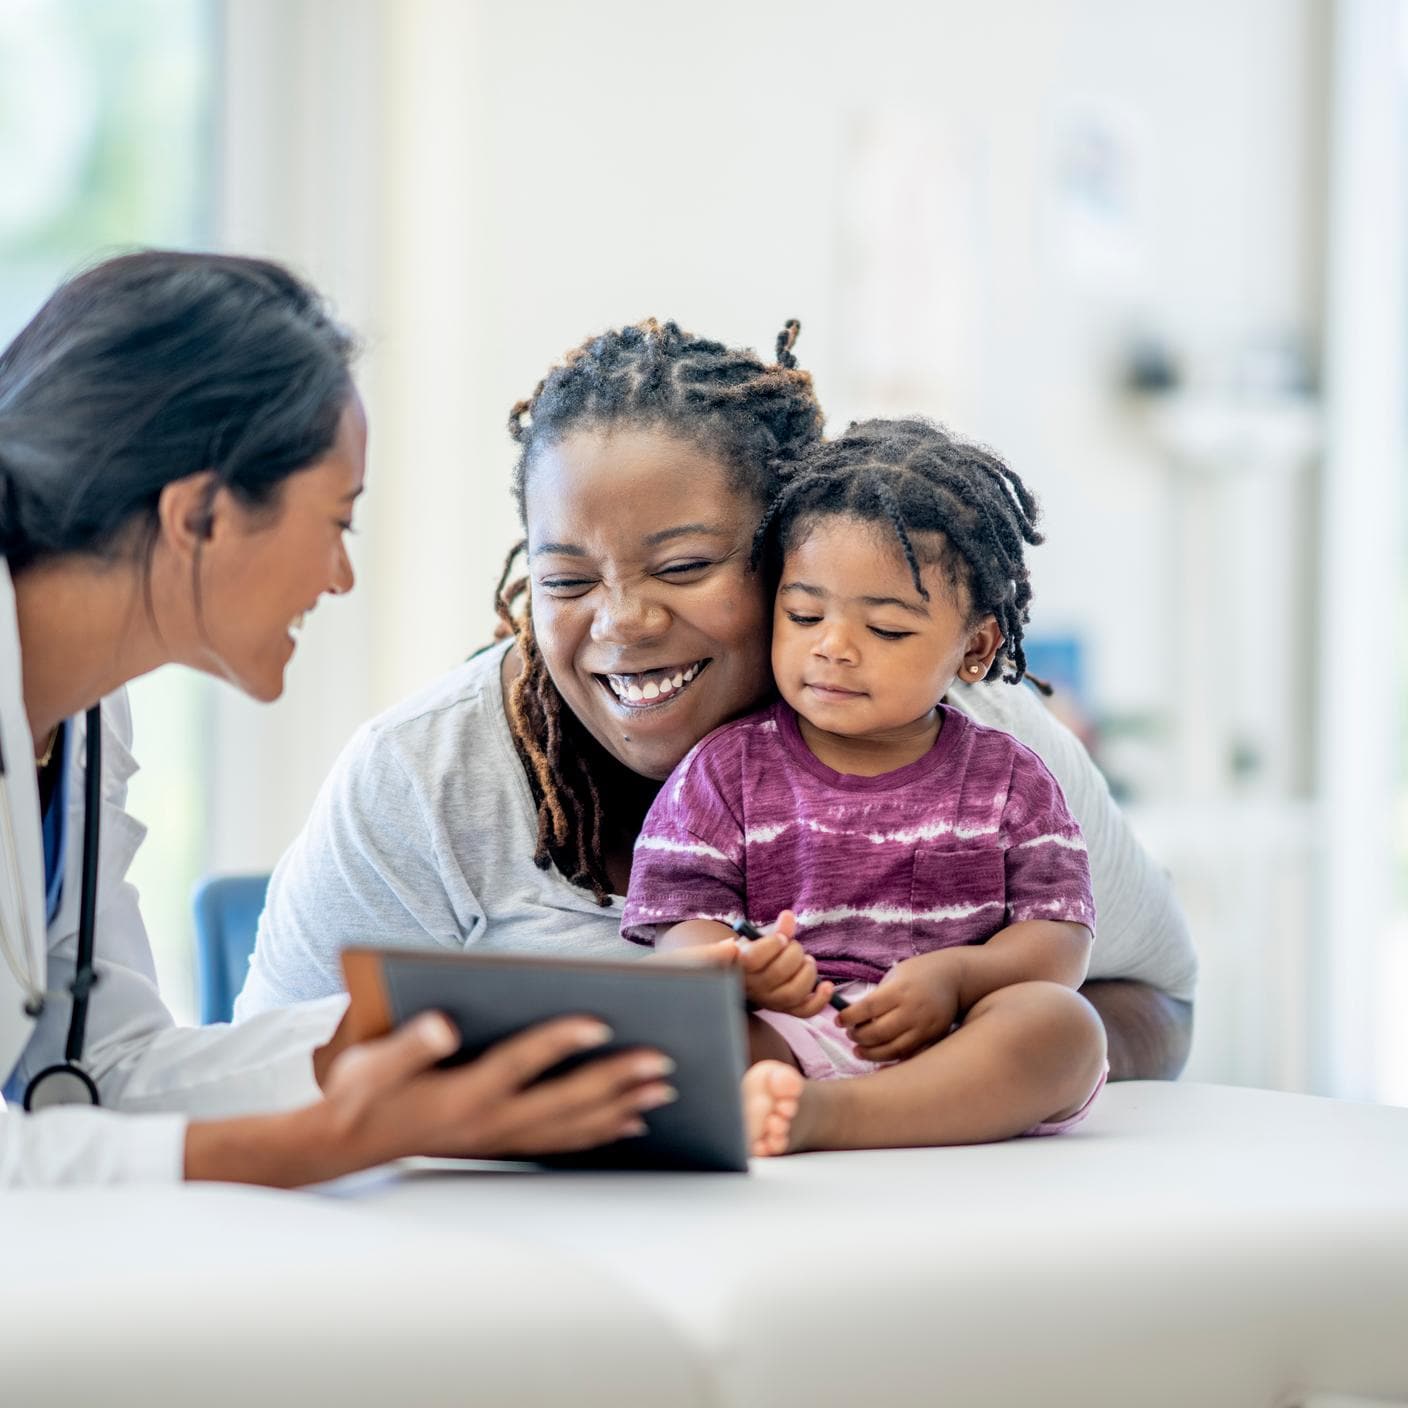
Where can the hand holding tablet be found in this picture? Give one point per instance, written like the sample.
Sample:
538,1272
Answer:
694,1015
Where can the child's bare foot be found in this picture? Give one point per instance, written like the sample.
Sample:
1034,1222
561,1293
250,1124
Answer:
772,1095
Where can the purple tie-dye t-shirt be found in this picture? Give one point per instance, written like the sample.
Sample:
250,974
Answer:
972,837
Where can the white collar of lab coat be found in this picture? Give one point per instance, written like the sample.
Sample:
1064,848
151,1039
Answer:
23,893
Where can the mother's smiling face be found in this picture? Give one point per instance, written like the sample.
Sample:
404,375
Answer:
649,621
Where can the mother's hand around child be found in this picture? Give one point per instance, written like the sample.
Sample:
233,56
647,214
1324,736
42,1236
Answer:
915,1005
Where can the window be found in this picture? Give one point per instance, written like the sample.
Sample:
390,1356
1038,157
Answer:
106,123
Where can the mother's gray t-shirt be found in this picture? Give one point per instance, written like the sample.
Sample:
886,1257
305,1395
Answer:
423,835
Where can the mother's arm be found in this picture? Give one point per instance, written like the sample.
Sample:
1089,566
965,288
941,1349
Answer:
1142,968
1148,1031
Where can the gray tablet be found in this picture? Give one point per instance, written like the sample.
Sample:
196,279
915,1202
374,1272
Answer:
694,1015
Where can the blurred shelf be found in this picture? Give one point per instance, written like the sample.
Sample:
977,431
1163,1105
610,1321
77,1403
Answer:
1227,435
1229,826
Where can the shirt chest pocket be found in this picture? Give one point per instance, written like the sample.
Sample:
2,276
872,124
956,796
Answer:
958,897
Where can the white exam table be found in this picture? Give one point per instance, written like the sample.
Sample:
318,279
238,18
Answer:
1189,1245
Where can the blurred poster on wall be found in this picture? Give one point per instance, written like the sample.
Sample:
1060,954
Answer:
1096,195
914,265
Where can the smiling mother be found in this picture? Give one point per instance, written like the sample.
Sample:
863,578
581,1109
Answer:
498,809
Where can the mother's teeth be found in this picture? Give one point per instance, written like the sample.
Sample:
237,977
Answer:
624,687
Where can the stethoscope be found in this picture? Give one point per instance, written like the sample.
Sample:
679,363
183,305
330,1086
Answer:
65,1083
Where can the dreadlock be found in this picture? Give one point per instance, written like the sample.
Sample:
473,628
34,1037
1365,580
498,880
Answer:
919,479
757,418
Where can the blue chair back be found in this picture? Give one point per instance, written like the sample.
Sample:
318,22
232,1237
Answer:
227,918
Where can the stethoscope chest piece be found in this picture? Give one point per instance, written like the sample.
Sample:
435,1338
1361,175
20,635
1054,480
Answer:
64,1084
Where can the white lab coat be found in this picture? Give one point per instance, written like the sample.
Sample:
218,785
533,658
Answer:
151,1074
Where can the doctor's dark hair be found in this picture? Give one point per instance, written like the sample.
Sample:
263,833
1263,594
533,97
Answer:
150,367
754,416
947,501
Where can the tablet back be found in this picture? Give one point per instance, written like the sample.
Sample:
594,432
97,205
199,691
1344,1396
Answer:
694,1015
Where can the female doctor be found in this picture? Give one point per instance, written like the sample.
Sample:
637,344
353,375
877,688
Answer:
181,446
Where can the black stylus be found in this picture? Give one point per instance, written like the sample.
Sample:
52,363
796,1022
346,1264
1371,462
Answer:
745,930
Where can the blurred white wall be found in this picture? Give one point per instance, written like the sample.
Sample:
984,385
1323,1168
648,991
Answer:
300,156
1361,969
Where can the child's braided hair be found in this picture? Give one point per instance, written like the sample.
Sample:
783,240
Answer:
756,417
919,479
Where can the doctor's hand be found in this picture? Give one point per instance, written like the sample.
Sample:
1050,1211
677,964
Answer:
386,1094
384,1099
707,953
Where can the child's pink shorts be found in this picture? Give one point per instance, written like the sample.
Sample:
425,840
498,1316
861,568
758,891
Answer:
825,1051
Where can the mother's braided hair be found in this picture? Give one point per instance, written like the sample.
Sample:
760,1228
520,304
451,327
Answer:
919,479
757,418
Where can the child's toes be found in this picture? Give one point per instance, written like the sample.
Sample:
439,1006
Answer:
774,1136
772,1093
757,1105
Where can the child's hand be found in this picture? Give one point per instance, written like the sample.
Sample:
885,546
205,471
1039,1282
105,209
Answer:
780,974
914,1006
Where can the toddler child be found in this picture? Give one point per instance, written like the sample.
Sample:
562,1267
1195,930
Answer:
918,867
